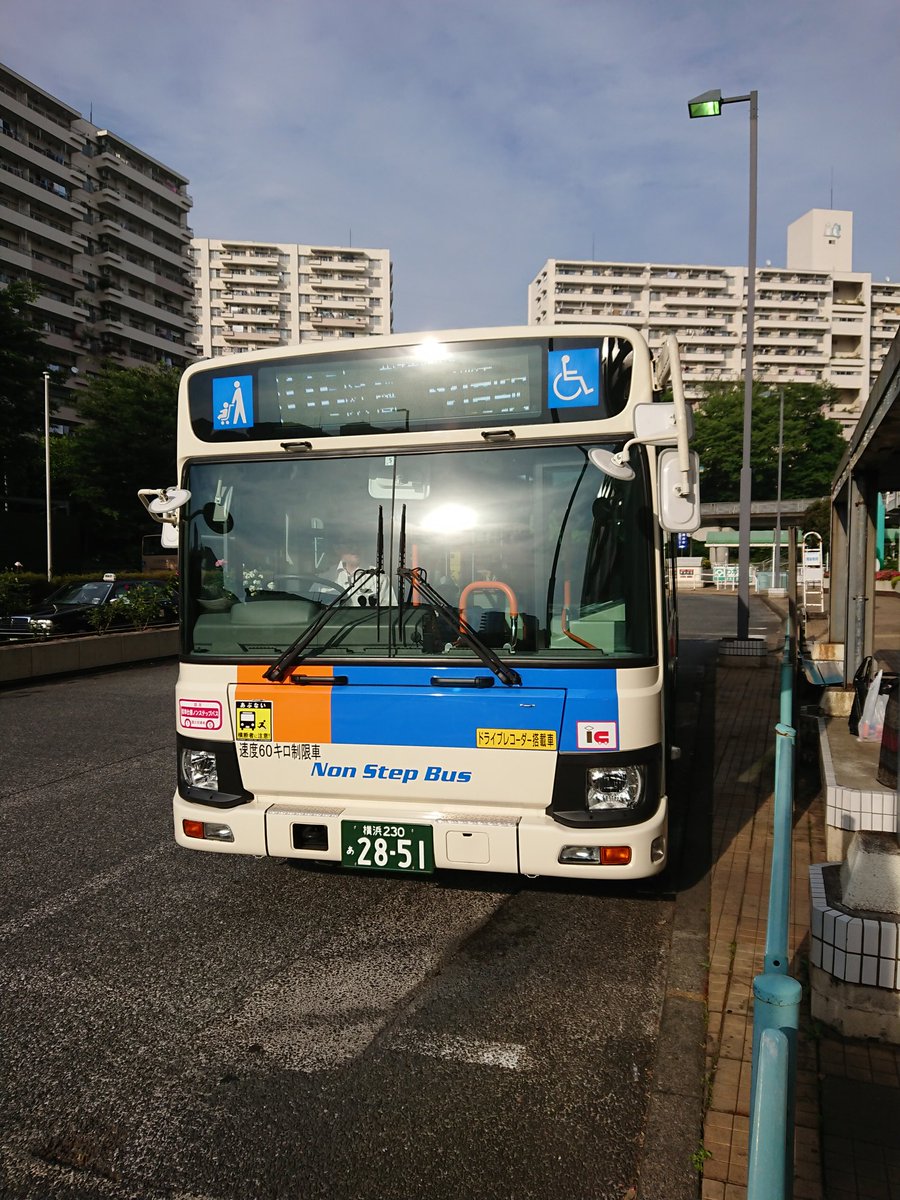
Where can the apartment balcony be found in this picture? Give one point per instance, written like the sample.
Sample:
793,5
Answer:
337,264
338,304
147,248
234,296
64,238
147,308
170,225
24,260
677,320
56,308
57,127
625,276
234,258
44,162
175,287
335,321
273,318
700,354
174,193
337,284
793,305
254,278
268,337
61,204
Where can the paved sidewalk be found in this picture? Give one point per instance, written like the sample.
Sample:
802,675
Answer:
847,1091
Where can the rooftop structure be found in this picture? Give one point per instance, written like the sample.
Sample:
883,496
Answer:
817,321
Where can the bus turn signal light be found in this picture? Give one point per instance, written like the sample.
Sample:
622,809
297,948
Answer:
213,831
606,856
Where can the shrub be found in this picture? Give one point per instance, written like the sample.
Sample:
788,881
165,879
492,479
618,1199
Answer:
143,605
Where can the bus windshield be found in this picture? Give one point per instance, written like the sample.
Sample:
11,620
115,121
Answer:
538,550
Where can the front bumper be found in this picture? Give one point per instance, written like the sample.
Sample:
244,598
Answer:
525,844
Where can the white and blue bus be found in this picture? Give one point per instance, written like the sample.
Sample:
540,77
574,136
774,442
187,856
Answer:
428,600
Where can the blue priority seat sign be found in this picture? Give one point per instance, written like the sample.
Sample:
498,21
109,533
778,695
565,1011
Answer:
573,378
232,402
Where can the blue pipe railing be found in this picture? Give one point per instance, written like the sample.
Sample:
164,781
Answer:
776,996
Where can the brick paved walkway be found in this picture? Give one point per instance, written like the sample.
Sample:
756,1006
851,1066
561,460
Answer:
836,1076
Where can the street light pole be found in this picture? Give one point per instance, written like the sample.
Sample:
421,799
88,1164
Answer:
47,472
710,105
776,558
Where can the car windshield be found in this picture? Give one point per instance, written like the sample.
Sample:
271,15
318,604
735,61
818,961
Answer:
535,548
81,593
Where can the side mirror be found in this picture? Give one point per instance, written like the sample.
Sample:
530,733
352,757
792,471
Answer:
678,491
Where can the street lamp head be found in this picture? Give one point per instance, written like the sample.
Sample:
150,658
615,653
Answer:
707,105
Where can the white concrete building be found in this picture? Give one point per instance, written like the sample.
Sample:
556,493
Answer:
101,228
252,295
817,320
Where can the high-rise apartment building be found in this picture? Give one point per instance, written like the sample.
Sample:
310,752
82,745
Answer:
101,228
254,295
816,319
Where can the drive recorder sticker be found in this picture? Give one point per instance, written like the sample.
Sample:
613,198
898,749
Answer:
199,714
597,735
253,720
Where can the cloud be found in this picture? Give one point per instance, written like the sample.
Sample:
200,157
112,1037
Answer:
477,140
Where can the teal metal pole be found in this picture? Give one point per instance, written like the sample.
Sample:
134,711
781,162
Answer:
776,1006
776,959
787,682
767,1166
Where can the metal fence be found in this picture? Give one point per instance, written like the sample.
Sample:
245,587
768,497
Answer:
776,996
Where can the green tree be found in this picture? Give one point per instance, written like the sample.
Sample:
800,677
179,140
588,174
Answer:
23,359
812,444
127,442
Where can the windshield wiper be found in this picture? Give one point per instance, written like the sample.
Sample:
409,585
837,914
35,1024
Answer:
417,576
296,651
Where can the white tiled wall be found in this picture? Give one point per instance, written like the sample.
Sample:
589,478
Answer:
848,808
855,949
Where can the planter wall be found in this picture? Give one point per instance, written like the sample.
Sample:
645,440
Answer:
35,660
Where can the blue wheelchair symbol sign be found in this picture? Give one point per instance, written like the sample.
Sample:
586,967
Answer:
574,378
232,402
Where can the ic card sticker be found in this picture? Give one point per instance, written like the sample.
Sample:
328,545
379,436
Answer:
597,735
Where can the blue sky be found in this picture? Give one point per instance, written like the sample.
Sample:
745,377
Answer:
475,139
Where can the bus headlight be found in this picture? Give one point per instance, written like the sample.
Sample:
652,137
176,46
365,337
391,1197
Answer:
199,769
208,773
613,787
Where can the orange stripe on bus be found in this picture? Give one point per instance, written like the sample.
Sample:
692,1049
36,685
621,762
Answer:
299,714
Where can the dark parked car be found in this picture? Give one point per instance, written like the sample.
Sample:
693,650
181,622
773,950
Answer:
68,609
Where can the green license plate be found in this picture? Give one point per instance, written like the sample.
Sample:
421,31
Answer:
385,846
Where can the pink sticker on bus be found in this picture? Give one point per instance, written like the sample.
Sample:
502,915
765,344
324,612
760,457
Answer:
597,735
199,714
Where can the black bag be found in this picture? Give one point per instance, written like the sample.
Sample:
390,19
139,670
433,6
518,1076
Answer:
862,681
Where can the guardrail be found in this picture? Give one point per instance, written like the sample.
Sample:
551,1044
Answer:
776,996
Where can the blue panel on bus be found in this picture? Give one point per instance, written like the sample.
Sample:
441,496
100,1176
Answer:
232,402
573,378
391,716
580,708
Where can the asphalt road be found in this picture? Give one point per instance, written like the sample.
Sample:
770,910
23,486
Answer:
207,1027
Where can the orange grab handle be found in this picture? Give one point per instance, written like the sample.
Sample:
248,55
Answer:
489,586
564,618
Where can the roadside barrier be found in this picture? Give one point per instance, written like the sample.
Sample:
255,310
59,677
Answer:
776,996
